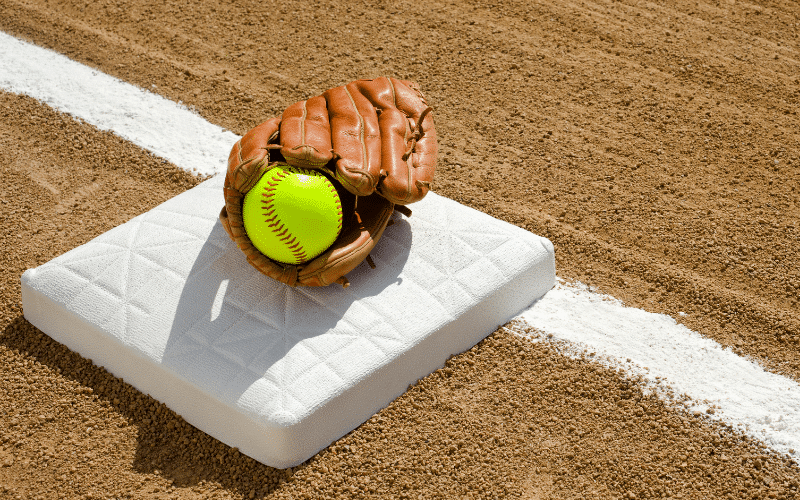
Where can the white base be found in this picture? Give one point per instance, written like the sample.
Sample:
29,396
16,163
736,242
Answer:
167,302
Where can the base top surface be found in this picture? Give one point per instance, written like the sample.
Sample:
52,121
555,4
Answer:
171,286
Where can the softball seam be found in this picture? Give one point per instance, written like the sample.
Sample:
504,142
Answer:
277,227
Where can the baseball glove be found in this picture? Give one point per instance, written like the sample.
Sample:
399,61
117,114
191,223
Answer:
375,137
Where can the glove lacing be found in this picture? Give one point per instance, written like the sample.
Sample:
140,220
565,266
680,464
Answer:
416,134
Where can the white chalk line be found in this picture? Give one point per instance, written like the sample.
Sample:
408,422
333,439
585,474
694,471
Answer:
763,405
163,127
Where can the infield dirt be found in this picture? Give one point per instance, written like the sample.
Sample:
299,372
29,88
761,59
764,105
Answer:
655,145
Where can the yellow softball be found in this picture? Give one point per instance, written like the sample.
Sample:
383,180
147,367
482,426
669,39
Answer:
292,214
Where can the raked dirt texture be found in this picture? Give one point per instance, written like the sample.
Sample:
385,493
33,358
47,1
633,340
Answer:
656,144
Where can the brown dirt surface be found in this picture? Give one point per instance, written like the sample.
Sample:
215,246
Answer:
655,144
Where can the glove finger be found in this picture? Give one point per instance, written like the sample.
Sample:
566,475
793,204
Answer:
397,183
408,139
250,154
306,134
356,139
424,150
409,176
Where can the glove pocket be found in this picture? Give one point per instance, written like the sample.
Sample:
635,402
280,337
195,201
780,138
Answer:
351,247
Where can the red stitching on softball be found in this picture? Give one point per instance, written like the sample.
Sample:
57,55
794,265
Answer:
281,231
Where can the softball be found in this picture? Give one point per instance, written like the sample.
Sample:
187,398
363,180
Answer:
292,214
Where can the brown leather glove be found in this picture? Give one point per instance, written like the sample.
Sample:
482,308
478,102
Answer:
379,132
376,137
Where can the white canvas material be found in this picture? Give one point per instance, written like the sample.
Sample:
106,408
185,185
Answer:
167,302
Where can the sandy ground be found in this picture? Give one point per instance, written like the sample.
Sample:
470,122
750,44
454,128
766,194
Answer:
656,145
